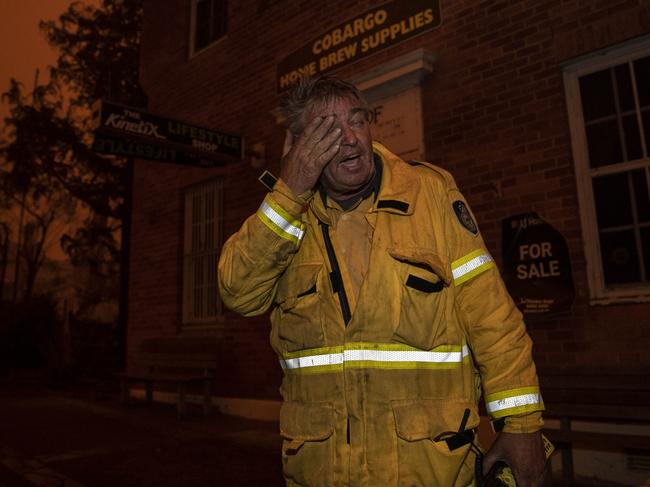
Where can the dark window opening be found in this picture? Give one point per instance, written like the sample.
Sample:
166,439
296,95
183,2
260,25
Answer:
210,22
623,212
616,111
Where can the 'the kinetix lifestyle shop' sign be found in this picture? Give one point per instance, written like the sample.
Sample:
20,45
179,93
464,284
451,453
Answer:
134,123
359,37
124,147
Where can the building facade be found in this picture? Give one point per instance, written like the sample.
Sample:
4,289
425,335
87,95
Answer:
540,109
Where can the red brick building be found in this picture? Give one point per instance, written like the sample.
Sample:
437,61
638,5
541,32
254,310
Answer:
534,106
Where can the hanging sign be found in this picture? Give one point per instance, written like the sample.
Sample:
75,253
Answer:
359,37
135,123
108,144
536,266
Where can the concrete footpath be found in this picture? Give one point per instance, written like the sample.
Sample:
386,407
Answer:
76,439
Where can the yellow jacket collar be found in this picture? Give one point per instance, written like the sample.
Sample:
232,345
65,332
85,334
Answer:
399,189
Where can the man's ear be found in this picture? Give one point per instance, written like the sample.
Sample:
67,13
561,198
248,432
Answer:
288,143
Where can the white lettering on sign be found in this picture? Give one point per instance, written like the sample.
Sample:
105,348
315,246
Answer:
535,251
294,76
350,30
206,146
532,270
396,30
357,38
143,128
132,114
337,57
528,221
538,269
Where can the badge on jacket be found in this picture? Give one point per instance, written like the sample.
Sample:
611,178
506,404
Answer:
464,217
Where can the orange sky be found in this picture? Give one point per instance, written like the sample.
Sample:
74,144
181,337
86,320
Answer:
23,47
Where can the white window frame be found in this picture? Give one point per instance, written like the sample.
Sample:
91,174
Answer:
203,235
192,46
599,293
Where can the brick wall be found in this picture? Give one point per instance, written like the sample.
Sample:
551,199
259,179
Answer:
494,114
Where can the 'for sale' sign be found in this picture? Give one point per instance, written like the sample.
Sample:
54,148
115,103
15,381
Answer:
536,266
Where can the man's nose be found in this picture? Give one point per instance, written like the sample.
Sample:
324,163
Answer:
348,137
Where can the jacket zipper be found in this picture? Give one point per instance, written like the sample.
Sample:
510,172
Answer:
335,276
337,284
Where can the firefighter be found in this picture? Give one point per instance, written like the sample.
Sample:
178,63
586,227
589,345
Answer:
389,317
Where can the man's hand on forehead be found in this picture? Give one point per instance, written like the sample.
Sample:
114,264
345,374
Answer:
308,153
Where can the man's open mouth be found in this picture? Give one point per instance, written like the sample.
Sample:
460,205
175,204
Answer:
350,158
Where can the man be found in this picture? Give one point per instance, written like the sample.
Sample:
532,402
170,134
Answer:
388,313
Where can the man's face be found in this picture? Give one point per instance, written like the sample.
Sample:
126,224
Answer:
353,167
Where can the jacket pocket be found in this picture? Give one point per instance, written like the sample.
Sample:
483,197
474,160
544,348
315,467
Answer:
307,448
298,313
421,459
423,287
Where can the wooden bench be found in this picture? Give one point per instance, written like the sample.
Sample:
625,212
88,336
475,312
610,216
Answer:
594,396
183,370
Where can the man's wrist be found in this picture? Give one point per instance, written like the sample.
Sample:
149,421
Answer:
523,423
293,203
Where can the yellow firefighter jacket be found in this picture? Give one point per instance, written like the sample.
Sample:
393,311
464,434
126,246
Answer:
370,395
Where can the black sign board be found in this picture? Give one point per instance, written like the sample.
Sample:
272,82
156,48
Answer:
359,37
536,266
108,144
128,122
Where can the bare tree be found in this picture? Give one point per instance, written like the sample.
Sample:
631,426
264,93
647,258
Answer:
98,49
4,255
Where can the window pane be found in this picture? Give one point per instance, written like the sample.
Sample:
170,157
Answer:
219,16
645,242
646,129
604,143
642,75
196,288
612,197
632,138
620,257
597,95
211,298
624,87
641,196
203,18
211,17
202,241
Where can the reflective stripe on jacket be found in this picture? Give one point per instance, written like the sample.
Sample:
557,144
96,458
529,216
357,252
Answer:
367,393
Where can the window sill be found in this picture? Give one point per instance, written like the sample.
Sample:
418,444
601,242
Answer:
621,297
195,53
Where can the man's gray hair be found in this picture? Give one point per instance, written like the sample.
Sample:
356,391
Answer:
314,90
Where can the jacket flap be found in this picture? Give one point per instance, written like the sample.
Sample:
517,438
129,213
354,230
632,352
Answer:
301,282
306,422
426,419
419,256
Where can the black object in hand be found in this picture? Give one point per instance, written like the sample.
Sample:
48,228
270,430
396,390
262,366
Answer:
499,475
